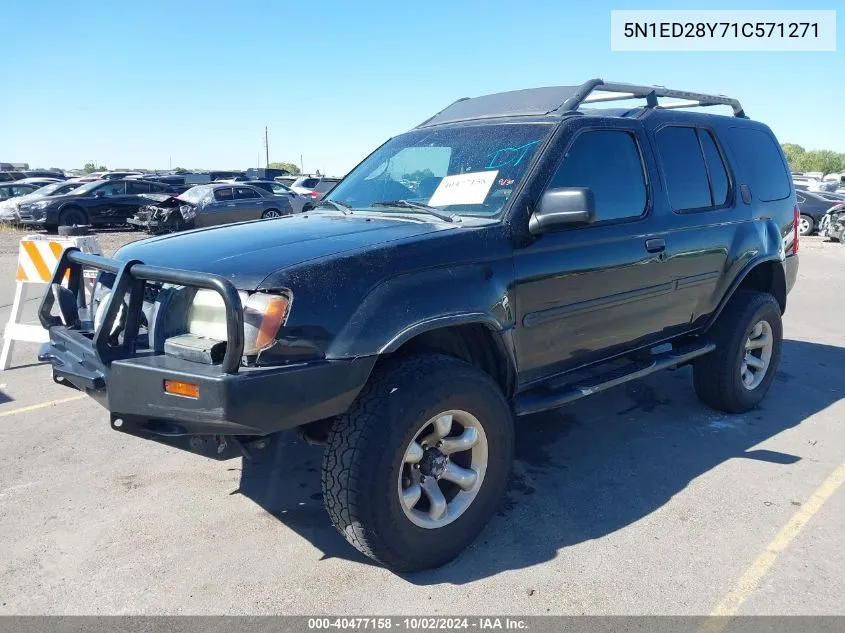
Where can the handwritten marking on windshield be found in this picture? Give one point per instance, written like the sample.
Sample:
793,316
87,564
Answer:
510,155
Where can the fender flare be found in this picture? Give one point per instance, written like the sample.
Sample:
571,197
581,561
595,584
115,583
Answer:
436,323
778,280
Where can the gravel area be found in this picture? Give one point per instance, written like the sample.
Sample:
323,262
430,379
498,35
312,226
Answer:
110,239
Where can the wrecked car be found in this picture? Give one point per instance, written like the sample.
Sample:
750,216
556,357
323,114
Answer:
832,225
208,205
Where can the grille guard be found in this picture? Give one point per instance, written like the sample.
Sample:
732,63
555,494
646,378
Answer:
130,279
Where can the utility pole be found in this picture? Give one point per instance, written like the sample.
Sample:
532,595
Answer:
266,148
301,164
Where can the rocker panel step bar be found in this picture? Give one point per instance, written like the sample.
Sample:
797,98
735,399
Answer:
541,400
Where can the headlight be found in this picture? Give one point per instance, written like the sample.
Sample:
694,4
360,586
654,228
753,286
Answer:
41,204
264,314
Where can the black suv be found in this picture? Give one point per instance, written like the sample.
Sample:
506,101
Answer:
511,254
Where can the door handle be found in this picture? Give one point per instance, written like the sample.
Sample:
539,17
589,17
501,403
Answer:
655,245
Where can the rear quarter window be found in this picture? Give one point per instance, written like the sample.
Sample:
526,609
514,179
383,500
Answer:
760,160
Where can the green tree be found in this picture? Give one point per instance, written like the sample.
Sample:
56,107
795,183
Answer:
91,167
180,170
823,160
289,167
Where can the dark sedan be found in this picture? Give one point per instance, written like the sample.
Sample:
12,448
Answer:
99,202
812,208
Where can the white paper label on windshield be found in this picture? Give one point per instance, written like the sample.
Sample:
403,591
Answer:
471,188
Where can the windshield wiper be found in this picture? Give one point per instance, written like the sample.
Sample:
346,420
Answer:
344,208
407,204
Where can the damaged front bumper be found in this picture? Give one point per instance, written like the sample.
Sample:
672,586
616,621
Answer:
232,406
164,215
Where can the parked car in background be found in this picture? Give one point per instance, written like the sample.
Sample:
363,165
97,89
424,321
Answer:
297,201
812,208
38,182
45,173
265,173
117,175
209,205
15,189
9,208
101,202
312,187
9,175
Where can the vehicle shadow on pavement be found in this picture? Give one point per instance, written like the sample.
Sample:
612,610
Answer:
585,470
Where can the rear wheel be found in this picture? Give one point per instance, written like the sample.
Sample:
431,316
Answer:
736,376
271,213
805,225
417,466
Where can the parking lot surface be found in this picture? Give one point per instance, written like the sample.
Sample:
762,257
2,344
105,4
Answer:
641,501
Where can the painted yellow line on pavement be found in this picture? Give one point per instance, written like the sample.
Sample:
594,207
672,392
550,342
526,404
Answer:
749,581
41,405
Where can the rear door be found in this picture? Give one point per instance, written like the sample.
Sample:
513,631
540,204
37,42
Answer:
221,206
247,204
697,198
587,292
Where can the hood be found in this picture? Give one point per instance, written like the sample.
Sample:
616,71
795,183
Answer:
247,252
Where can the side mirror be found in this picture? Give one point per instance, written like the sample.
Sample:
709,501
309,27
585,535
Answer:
563,207
99,194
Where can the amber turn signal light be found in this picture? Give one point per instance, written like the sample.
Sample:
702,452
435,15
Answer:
179,388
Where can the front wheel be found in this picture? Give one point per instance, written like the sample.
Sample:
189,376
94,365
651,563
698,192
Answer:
736,376
418,465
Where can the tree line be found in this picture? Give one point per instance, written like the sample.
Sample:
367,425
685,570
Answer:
823,160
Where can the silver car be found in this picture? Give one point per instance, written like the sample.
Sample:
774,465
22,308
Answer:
221,204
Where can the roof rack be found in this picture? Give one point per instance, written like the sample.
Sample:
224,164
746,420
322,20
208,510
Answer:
591,92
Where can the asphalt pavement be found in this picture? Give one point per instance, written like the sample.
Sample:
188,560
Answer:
640,501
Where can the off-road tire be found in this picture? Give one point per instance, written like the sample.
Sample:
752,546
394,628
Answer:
716,376
366,446
73,216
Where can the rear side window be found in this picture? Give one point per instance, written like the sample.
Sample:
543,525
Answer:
223,194
245,193
760,158
683,167
138,187
309,183
715,168
609,163
696,176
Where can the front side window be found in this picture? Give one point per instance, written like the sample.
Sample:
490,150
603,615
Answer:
113,189
609,163
464,170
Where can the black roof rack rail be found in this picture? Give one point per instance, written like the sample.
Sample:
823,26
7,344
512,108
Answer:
590,92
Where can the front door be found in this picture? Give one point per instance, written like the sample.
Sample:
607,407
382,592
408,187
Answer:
585,292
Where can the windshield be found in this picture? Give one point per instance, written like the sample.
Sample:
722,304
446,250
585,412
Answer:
470,170
195,194
86,187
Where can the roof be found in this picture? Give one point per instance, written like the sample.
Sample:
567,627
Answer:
562,100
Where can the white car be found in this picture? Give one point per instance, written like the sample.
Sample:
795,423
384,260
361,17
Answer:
9,208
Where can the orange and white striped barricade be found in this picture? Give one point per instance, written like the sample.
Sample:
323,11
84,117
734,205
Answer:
37,259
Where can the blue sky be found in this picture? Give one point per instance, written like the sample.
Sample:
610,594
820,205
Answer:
141,84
